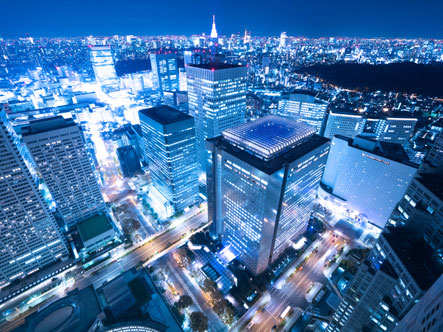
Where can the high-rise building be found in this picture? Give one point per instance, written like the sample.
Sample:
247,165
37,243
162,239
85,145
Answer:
433,161
426,314
169,137
345,123
421,208
103,65
165,71
398,272
217,101
262,179
396,128
57,146
283,37
129,161
30,238
303,106
367,176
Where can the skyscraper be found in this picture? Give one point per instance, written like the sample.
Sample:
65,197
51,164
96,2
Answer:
305,107
427,313
169,137
345,123
217,100
30,238
165,70
398,272
421,208
103,65
58,147
367,176
262,180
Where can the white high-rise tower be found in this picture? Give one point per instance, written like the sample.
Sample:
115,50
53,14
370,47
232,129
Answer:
214,33
30,238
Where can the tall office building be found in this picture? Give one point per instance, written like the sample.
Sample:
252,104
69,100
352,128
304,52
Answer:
426,314
58,147
103,65
169,137
345,123
303,106
433,161
397,128
421,208
30,238
165,71
262,179
398,272
367,176
217,101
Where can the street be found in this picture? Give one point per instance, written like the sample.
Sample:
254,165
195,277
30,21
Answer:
291,290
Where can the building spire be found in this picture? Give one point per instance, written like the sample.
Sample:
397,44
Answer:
214,33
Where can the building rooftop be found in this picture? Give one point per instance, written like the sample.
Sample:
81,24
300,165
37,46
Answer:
269,136
215,66
93,226
278,161
342,111
416,255
47,124
75,312
392,151
165,114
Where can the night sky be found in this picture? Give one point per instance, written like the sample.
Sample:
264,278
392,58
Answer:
310,18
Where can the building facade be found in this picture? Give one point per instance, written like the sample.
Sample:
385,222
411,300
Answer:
169,137
217,101
103,65
367,176
396,128
30,238
303,106
165,71
262,179
345,123
57,146
388,284
421,208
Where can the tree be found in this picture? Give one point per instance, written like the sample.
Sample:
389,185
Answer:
184,302
199,322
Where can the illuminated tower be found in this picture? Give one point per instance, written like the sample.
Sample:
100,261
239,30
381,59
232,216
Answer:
30,238
217,101
58,147
214,34
262,180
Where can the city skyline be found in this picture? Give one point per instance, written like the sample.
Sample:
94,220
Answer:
298,18
197,167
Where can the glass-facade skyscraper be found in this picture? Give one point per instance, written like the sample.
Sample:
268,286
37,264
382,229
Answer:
165,69
217,101
57,146
262,180
169,137
103,65
30,238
